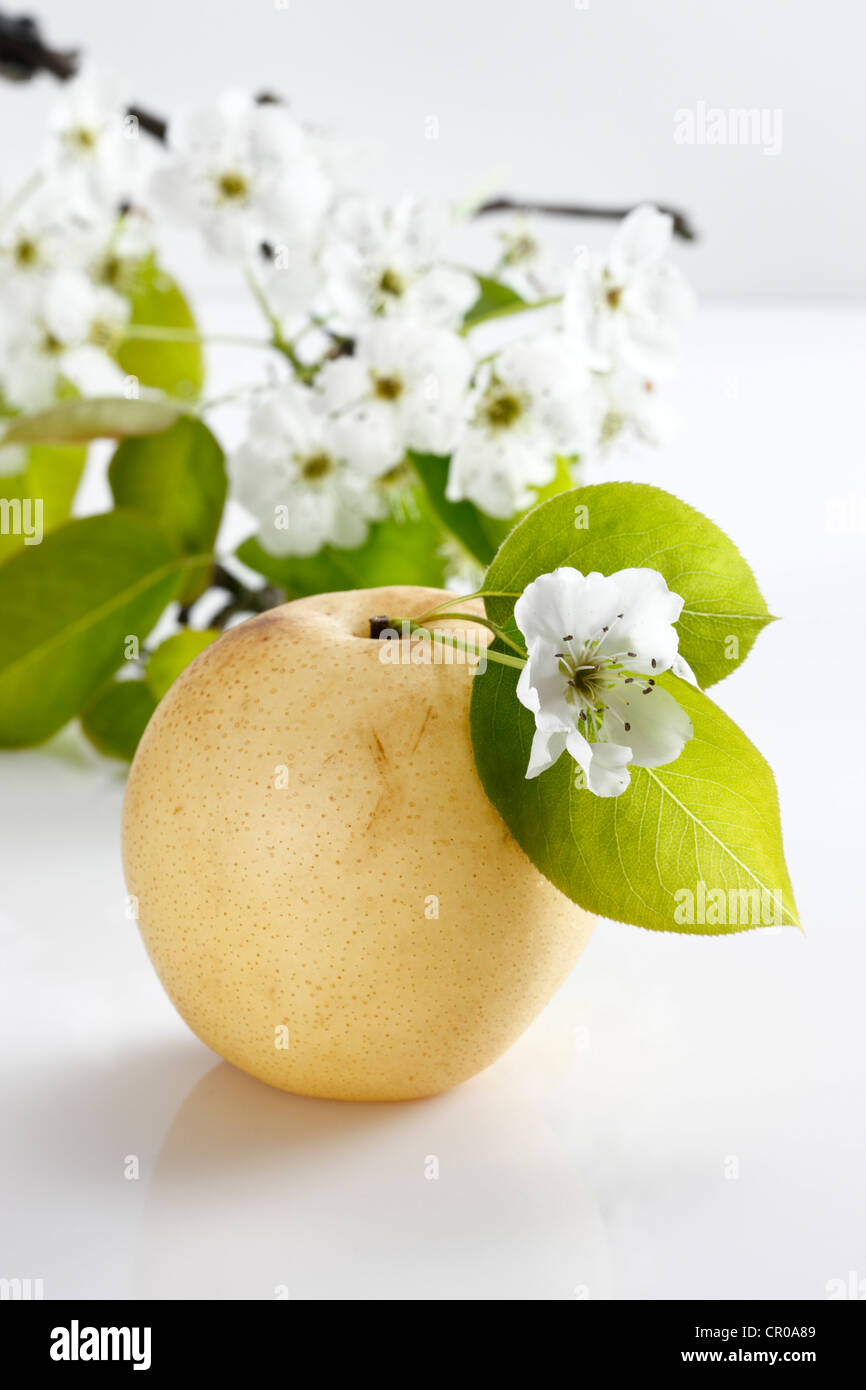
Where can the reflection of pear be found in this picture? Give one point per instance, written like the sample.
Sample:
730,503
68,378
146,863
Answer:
328,896
257,1194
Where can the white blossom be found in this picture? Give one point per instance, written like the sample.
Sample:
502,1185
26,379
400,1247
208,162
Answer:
94,148
631,408
595,646
292,474
532,404
246,173
52,230
70,326
525,263
387,260
290,278
403,388
628,306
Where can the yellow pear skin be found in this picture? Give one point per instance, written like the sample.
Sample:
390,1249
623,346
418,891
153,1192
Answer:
327,896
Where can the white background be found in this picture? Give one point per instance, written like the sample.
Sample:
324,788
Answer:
686,1118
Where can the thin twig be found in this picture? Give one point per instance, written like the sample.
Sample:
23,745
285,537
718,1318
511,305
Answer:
682,226
243,599
153,125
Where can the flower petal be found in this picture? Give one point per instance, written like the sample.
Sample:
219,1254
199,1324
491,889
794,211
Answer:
605,765
659,728
547,746
681,668
649,611
641,240
564,604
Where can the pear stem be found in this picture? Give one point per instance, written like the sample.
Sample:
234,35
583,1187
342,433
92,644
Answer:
449,640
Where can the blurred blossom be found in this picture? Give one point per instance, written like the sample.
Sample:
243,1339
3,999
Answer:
64,337
289,277
53,230
246,173
403,388
386,260
532,404
295,478
629,306
631,409
525,262
94,149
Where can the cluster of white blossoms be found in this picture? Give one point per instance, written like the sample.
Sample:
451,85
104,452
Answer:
67,242
363,303
403,376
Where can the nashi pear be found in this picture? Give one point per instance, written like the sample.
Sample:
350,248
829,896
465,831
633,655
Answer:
327,895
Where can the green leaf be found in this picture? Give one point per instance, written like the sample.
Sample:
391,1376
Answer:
68,607
15,516
177,479
395,552
480,534
50,475
494,300
173,656
116,717
174,367
562,481
53,473
96,417
711,817
612,526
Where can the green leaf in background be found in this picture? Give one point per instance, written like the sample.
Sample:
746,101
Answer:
13,493
173,656
116,717
96,417
174,367
51,474
613,526
177,479
480,534
703,829
494,300
395,552
69,605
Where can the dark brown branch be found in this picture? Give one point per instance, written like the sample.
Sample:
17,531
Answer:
682,226
243,599
153,125
23,52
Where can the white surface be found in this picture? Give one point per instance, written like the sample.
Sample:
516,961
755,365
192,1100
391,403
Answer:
563,99
597,1155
